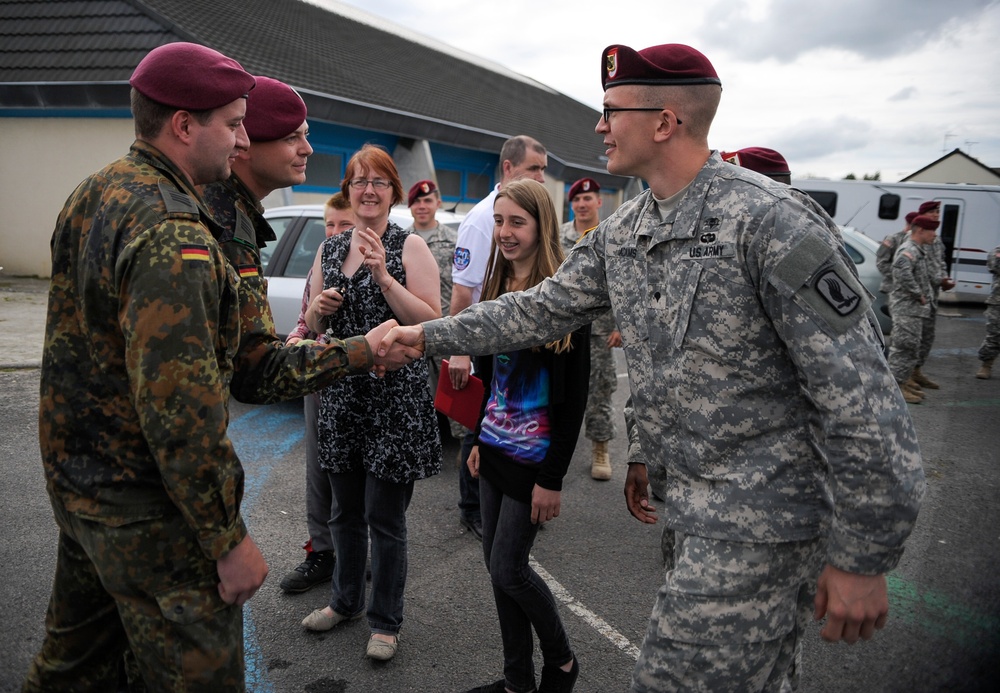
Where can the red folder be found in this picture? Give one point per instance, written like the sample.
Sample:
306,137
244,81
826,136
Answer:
461,405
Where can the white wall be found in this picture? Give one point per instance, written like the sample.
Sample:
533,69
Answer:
956,169
42,160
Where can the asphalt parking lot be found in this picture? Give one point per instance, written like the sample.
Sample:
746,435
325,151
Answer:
943,632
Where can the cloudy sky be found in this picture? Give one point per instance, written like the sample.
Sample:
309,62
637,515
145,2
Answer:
837,86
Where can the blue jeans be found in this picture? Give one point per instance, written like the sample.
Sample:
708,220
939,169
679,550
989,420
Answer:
468,486
364,504
523,599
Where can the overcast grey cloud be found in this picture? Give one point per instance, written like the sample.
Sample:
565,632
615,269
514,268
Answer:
786,29
838,86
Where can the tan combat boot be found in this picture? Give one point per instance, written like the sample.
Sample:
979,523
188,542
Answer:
912,386
909,396
923,381
985,370
600,467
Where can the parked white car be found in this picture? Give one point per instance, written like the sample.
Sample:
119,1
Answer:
862,250
300,230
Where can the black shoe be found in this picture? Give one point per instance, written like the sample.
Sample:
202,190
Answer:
555,680
495,687
315,570
474,525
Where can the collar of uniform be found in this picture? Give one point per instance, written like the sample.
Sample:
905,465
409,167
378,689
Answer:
145,152
254,210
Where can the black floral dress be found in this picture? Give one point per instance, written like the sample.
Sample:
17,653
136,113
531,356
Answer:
387,425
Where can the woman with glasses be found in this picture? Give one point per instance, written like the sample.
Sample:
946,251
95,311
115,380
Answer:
376,435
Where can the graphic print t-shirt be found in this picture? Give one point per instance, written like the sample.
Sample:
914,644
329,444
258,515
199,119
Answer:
517,413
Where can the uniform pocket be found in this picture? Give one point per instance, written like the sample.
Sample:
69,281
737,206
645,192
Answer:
191,602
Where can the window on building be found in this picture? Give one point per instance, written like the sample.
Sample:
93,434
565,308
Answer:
325,171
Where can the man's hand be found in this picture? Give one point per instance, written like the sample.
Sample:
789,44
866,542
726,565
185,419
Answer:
390,356
241,572
855,605
614,339
947,284
459,368
545,504
637,494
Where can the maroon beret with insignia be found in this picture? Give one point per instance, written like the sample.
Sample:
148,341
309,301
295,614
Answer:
669,64
910,216
190,77
583,185
419,189
928,206
759,159
925,222
273,111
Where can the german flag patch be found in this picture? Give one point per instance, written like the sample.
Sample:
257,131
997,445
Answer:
191,251
248,271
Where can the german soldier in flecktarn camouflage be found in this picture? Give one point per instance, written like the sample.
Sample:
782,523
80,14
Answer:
792,471
142,347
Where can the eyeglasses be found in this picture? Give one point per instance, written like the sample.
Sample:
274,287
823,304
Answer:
608,111
377,183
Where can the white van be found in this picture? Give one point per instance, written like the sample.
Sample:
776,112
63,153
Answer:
970,221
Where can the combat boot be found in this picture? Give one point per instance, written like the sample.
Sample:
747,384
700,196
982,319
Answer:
985,370
909,396
923,381
914,388
600,466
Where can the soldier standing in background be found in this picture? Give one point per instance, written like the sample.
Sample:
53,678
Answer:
991,343
940,281
599,427
910,304
141,354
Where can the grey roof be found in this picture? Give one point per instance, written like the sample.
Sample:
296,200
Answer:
64,53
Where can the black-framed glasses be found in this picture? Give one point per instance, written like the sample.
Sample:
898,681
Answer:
377,183
608,111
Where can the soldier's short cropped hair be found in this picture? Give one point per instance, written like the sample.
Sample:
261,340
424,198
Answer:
515,149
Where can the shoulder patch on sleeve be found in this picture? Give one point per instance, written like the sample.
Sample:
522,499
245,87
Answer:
802,261
244,232
837,292
175,201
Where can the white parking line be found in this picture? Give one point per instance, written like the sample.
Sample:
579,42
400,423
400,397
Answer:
589,617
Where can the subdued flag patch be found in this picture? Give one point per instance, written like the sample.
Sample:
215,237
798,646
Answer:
191,251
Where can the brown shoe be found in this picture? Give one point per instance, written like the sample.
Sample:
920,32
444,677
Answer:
913,388
985,370
923,381
600,466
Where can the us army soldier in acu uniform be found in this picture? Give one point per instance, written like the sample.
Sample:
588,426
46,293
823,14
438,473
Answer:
791,464
142,348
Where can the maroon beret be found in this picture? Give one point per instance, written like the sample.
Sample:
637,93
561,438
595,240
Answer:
419,189
669,64
583,185
925,222
910,216
273,111
759,159
928,206
190,77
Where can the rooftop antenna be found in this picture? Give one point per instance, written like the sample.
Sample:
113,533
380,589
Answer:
944,145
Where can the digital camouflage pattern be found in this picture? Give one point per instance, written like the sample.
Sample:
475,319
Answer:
754,361
718,588
884,256
761,400
441,240
990,347
145,341
912,320
599,420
